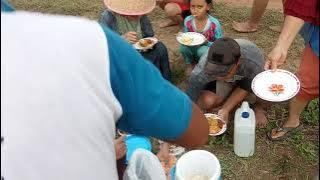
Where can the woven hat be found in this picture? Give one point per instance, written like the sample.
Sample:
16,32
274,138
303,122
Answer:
130,7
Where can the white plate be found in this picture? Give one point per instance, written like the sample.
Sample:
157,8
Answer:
138,47
224,127
196,38
261,83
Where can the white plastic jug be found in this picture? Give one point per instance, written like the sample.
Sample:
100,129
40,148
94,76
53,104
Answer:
198,164
244,131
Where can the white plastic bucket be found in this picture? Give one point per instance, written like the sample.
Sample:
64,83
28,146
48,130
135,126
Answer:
198,163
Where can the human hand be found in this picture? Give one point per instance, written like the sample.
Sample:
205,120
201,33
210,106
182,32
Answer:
276,58
131,37
164,152
120,147
224,115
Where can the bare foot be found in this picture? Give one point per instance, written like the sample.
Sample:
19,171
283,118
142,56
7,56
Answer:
261,118
276,28
244,27
168,23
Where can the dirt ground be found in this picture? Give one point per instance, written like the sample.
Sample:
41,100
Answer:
273,4
272,160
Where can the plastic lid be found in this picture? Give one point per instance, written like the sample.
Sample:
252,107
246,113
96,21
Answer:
134,142
245,114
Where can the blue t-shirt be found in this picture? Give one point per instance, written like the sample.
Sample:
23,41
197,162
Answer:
82,81
151,105
310,34
5,6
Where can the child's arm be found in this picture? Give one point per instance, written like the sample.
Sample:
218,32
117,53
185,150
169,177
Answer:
185,27
218,30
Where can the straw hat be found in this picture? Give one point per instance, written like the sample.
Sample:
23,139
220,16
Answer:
130,7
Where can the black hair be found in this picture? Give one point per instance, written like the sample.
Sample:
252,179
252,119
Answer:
224,51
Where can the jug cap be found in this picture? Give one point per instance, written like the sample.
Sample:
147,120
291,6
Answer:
245,114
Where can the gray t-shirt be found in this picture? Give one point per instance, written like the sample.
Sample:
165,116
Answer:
252,64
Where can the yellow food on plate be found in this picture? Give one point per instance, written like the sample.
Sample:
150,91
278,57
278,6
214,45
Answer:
215,125
145,42
186,40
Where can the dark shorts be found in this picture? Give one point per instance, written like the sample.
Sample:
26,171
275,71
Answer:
224,89
211,86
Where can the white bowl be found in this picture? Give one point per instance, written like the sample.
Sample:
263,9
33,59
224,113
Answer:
224,127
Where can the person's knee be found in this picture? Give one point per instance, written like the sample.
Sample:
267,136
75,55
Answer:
185,50
202,50
162,48
187,54
208,100
171,9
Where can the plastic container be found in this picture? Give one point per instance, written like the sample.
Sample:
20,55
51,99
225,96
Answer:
134,142
244,131
144,165
197,163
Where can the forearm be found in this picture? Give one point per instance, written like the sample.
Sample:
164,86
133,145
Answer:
291,28
236,97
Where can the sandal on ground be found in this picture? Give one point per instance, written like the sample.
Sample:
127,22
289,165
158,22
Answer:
287,130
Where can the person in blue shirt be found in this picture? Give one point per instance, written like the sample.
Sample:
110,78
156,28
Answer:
83,81
5,6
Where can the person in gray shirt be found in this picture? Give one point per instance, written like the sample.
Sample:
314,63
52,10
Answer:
222,78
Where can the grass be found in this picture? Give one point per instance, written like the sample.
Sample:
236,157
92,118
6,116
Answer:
295,158
87,8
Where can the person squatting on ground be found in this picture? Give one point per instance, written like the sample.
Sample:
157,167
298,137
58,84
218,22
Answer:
222,78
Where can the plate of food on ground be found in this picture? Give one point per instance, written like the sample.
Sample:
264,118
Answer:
217,126
191,38
145,43
275,86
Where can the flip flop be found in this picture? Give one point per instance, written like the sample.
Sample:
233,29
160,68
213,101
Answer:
236,27
287,130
